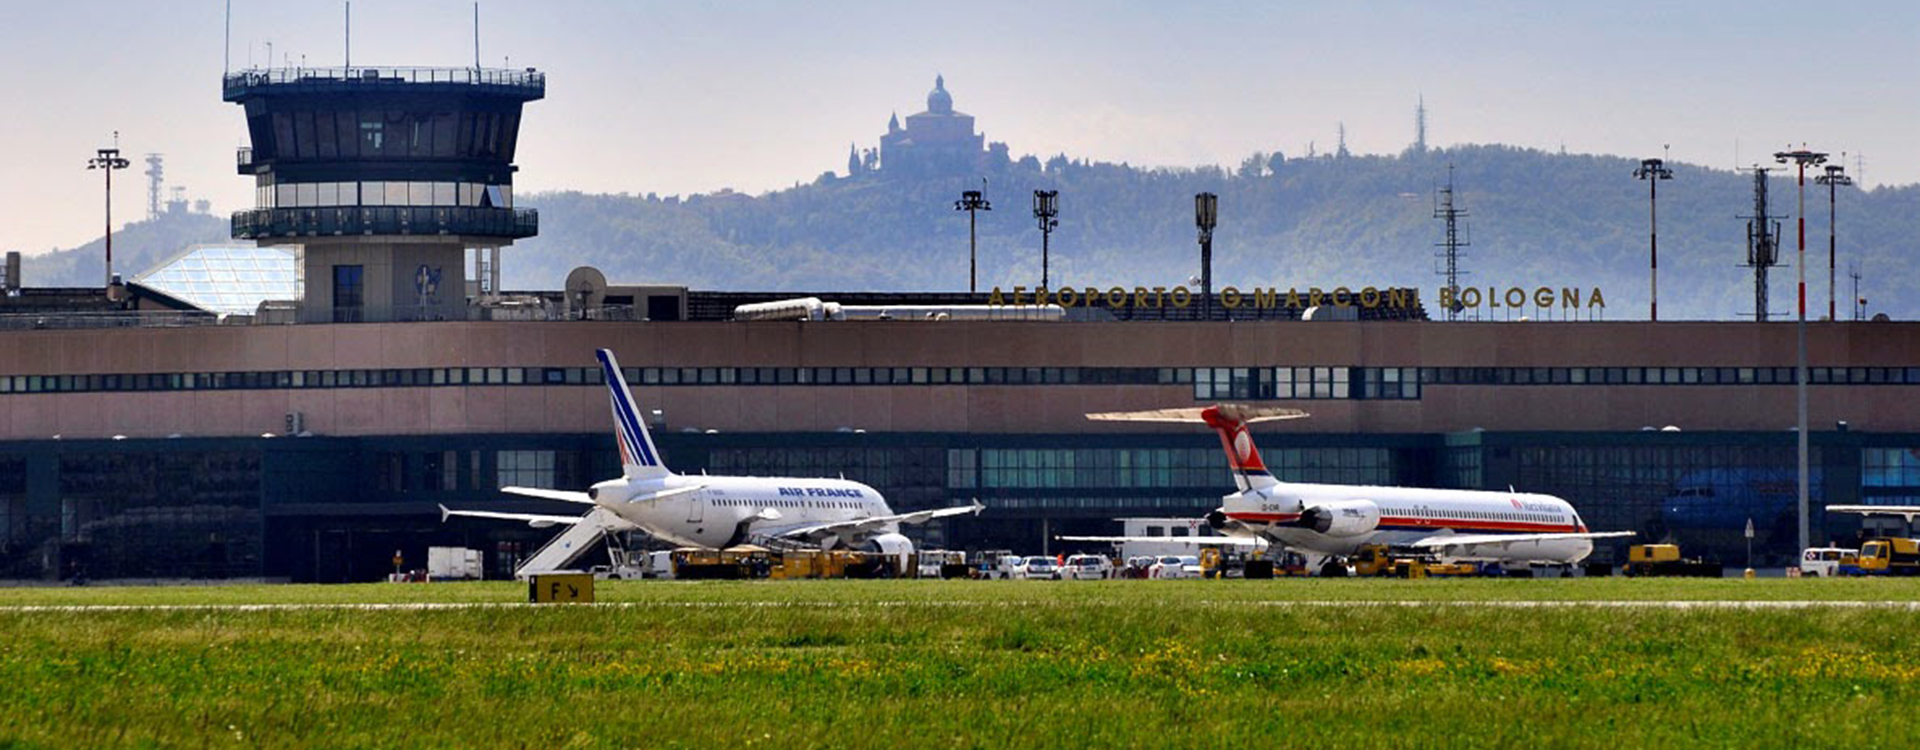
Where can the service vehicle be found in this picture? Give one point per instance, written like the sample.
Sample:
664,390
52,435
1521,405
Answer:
1038,568
943,564
1650,560
1824,562
453,564
996,564
1175,566
1889,556
1087,568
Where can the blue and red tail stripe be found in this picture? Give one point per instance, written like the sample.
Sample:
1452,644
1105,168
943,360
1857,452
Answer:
635,449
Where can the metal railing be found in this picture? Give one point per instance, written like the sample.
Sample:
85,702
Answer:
126,319
267,223
527,81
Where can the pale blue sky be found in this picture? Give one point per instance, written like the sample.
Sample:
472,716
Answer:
692,97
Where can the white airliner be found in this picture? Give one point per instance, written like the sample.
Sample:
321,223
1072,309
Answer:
1333,519
717,511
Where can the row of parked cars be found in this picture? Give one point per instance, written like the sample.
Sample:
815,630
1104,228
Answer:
1092,568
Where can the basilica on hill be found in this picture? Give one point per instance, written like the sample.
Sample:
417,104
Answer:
937,142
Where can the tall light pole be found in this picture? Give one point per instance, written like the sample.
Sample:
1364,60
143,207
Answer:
1206,215
1046,205
1835,177
108,160
972,202
1653,171
1802,158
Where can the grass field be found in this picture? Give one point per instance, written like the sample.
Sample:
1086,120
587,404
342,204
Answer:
968,664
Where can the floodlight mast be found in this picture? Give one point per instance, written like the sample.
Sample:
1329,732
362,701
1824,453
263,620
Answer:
1653,171
1835,177
1801,159
972,202
108,160
1046,206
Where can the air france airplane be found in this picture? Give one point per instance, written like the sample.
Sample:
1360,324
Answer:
717,511
1337,520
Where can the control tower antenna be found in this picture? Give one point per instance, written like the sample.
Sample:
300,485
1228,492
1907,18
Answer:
156,171
476,35
1763,243
1457,237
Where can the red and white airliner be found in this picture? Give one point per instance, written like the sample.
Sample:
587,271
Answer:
1337,520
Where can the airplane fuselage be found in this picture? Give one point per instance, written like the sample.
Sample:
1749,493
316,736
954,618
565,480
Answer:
1358,515
734,510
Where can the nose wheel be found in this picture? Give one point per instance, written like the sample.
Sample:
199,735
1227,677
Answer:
1333,568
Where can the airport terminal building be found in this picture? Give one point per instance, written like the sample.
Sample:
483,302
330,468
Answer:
144,437
314,451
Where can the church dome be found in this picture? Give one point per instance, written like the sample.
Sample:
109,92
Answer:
939,101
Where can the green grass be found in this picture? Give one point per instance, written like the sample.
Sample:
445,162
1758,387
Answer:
969,664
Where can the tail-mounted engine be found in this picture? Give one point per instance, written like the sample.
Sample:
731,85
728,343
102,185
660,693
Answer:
1341,518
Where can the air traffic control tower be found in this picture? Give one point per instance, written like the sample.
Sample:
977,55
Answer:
384,177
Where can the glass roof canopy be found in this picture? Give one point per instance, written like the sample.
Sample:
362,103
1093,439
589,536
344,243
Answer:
227,279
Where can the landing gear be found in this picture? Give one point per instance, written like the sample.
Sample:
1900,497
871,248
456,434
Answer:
1333,568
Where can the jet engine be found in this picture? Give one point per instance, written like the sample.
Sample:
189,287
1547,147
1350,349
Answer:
894,545
1342,518
612,490
895,548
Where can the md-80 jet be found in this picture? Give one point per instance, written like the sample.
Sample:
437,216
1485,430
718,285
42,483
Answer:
722,511
1335,520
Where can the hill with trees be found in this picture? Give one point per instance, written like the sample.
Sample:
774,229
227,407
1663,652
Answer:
1536,219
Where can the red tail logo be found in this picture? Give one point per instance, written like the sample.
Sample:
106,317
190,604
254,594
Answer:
1234,439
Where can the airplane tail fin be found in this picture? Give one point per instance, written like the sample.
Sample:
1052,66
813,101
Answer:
638,458
1230,422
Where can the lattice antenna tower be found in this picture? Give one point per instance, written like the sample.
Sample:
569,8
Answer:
1458,236
156,177
1420,125
1763,242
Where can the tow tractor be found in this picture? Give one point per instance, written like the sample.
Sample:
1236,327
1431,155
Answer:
1650,560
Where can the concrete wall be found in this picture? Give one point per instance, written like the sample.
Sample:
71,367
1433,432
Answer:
391,268
980,408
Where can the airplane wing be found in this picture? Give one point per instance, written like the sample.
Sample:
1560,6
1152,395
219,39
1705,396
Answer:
564,496
1238,412
1249,542
536,520
1450,541
816,531
567,496
1907,511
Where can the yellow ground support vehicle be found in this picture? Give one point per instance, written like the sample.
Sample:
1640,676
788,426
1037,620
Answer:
745,561
1665,560
1375,560
1892,556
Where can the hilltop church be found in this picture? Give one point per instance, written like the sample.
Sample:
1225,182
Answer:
939,141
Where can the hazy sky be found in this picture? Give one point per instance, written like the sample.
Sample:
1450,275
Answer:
692,97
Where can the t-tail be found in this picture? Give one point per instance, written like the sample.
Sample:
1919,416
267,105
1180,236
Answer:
638,458
1230,421
1249,472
